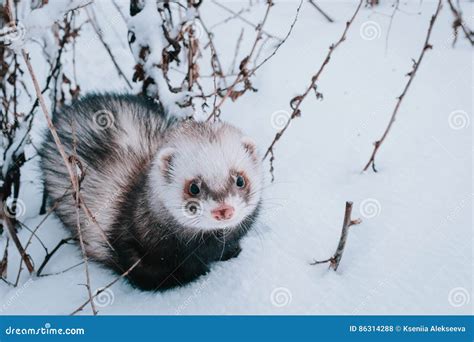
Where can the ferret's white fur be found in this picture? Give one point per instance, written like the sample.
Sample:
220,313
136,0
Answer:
195,155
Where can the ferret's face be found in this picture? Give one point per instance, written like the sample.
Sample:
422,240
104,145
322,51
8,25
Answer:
208,176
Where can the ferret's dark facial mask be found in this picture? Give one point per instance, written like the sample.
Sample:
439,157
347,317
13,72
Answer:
210,178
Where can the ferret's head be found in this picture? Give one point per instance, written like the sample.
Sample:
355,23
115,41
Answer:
207,175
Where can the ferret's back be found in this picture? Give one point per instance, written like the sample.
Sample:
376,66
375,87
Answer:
114,138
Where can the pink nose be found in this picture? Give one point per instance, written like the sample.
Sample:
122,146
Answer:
223,212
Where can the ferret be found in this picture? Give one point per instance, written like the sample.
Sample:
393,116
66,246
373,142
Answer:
171,195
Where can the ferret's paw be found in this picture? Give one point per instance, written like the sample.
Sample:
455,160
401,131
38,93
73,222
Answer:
231,253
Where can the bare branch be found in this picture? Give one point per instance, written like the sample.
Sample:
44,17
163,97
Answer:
459,22
9,217
4,262
248,22
10,223
44,108
107,48
396,5
282,42
426,46
347,223
50,254
77,197
236,52
67,161
319,9
243,74
123,275
296,102
215,61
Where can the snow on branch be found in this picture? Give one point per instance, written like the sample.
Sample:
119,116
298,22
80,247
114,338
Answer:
36,25
158,37
15,32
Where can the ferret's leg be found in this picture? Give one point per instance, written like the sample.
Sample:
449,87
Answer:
231,252
44,201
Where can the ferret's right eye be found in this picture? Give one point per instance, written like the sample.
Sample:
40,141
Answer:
194,189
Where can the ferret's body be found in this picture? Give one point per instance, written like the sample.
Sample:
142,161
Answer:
176,194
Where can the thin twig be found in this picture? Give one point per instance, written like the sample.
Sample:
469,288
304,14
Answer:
236,52
243,74
50,254
411,74
10,223
107,48
77,185
459,22
123,275
72,175
33,233
4,214
228,19
61,272
4,262
296,102
92,218
57,141
44,108
347,223
282,42
120,11
248,22
392,16
319,9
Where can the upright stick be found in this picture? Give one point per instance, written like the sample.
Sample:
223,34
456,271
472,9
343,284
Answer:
348,222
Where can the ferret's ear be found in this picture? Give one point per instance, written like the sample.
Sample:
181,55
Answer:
165,158
250,146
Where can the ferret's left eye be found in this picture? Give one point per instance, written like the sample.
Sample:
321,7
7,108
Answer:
240,181
194,189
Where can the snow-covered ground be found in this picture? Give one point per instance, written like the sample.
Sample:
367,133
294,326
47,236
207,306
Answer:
413,252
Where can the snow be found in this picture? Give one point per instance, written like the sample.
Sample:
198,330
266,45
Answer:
146,27
35,24
413,252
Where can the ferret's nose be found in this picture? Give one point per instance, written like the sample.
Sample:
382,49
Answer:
223,212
